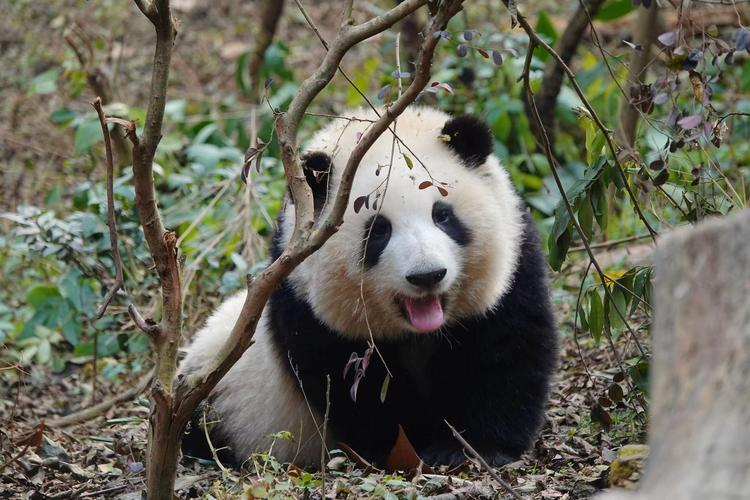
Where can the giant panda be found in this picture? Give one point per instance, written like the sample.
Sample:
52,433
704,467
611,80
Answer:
450,287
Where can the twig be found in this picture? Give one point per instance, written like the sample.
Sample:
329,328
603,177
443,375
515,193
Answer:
214,452
119,282
610,243
98,409
147,326
553,163
483,462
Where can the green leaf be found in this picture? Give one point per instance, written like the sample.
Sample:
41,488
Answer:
40,295
614,9
384,388
618,303
559,238
586,217
409,162
598,199
44,83
88,133
596,315
641,284
639,373
545,28
241,75
62,116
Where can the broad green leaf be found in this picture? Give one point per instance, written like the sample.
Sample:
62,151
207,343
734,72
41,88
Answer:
596,315
545,28
559,238
39,295
44,83
88,133
62,116
614,9
586,217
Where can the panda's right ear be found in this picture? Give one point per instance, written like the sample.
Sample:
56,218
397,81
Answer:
317,167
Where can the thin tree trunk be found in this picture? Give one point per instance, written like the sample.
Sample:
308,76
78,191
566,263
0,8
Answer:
567,46
645,27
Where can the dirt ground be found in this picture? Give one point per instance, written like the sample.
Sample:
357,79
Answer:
104,458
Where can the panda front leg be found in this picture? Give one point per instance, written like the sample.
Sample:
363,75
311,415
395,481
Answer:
492,388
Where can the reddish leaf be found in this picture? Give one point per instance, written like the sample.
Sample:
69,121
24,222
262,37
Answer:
442,190
615,393
358,203
425,184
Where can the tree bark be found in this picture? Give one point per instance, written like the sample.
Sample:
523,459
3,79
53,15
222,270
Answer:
700,385
567,46
645,26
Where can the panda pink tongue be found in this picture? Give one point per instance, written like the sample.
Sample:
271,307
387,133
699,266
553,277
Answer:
425,314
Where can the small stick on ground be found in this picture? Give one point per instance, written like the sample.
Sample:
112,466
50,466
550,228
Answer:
483,462
98,409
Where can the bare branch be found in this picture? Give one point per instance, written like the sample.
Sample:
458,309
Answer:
483,462
421,78
98,409
147,7
119,281
147,326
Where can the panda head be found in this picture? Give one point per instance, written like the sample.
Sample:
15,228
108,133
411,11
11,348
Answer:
412,260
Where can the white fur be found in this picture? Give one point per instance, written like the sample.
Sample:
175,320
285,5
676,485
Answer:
258,397
483,198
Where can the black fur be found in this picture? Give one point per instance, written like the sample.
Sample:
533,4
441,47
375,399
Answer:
470,138
377,233
317,166
445,218
488,376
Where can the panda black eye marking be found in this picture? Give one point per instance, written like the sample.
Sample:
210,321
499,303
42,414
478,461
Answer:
445,219
377,233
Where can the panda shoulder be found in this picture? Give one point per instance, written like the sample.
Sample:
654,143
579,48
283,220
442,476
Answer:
209,339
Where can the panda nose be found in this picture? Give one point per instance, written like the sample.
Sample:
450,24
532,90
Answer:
428,279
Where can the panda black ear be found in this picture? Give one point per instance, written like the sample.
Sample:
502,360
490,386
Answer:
317,166
470,138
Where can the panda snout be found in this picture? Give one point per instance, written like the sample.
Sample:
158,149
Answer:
427,280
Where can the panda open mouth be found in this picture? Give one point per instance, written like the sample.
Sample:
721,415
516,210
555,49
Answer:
424,313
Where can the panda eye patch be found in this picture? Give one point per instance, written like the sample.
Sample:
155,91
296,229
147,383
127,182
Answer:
442,213
377,233
380,228
445,219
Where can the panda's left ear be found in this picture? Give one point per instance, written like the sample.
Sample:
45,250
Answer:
317,167
470,138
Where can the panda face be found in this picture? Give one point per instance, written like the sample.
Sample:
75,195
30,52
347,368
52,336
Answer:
416,256
417,260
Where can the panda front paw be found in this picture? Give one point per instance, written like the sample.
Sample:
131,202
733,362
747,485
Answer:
453,456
